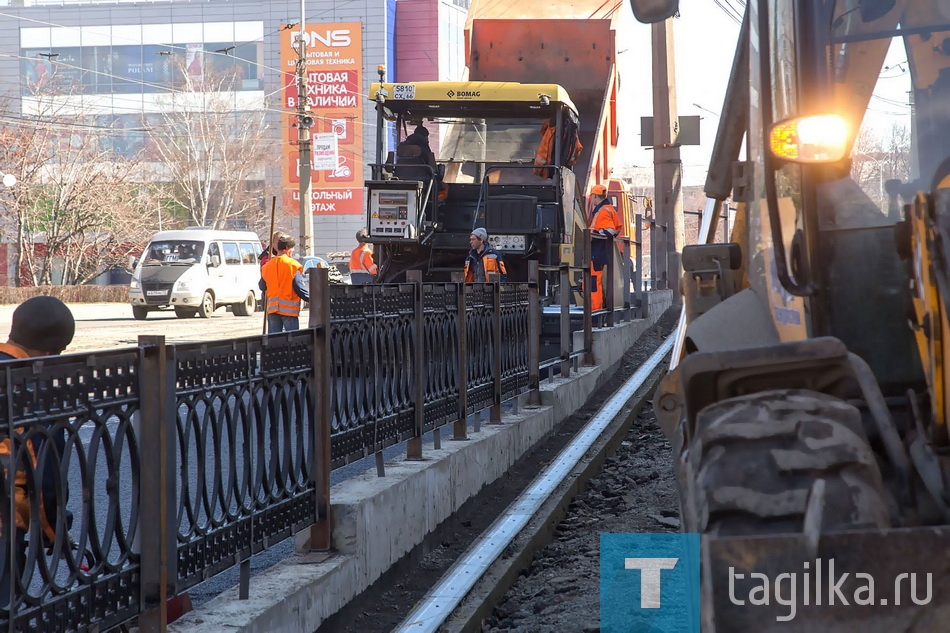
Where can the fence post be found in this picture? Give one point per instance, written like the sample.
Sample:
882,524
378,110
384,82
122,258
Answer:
638,274
588,317
495,412
610,276
653,253
627,275
321,407
157,530
414,445
460,428
564,294
534,335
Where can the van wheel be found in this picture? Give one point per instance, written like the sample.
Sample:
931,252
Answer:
247,308
139,312
207,305
185,313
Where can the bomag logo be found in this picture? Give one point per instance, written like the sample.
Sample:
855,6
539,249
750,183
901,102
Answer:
464,94
331,38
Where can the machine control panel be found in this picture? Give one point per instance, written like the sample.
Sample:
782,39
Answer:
508,243
393,213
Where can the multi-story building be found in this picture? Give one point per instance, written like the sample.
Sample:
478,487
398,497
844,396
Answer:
115,63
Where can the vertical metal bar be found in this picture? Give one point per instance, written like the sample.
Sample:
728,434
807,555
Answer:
564,284
414,445
609,276
437,438
460,428
588,318
653,253
534,335
380,464
495,413
154,460
321,411
627,274
244,584
638,274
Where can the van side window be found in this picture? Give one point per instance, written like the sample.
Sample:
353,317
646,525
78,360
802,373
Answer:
232,254
214,251
248,253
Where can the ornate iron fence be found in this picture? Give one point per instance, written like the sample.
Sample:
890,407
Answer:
180,461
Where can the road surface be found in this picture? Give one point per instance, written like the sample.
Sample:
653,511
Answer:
103,326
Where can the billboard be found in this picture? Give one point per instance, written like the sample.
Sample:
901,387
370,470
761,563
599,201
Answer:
334,68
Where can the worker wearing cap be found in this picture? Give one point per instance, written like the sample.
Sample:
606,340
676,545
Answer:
482,260
42,326
605,222
363,269
285,286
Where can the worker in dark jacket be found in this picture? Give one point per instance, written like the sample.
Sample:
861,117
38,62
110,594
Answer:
42,326
483,260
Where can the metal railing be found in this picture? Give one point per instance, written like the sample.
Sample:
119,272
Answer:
161,465
177,462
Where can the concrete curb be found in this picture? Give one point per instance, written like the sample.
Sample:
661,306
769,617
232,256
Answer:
379,520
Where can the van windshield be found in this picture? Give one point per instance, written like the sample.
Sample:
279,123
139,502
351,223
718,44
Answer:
173,251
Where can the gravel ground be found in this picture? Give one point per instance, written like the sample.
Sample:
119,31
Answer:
649,490
635,492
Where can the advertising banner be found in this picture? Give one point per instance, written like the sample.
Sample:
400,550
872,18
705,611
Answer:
334,68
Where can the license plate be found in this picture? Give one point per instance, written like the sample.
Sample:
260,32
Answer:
157,293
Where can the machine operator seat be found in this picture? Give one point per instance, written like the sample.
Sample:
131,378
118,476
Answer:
410,165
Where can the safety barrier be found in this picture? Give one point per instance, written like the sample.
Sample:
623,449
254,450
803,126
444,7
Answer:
177,462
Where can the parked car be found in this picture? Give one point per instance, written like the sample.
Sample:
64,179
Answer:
313,261
341,259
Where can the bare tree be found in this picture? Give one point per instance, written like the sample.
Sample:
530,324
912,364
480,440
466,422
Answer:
77,209
212,150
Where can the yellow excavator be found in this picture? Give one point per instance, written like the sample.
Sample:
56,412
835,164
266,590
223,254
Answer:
808,392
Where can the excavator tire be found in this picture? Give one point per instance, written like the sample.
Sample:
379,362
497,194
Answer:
753,462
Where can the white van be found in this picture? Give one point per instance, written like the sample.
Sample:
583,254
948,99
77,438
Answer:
196,271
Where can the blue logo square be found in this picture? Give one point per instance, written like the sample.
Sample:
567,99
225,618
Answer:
649,583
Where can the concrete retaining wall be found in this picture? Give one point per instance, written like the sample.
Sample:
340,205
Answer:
378,520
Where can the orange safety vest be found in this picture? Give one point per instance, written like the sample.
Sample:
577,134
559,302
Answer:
22,493
545,153
278,274
606,218
490,261
358,262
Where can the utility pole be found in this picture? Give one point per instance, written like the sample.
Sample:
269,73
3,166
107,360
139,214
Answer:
667,166
304,123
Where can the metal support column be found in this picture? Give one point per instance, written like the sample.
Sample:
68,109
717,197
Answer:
460,428
534,335
610,276
564,287
588,318
495,412
638,273
321,414
157,529
414,445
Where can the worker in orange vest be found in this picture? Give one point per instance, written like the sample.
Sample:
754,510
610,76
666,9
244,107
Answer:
41,326
606,222
285,286
363,269
545,152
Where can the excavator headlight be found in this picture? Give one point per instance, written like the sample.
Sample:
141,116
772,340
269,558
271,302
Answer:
810,139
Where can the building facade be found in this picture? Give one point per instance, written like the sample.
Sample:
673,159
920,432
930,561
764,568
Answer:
116,63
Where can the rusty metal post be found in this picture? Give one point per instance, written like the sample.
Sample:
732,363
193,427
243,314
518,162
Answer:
460,428
157,530
321,411
610,276
627,276
495,412
414,445
638,273
564,286
534,335
588,317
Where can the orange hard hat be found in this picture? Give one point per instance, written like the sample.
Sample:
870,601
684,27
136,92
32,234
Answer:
599,190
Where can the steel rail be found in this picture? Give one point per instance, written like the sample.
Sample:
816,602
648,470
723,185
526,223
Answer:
436,607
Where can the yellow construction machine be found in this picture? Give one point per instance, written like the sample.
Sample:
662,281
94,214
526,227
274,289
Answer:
807,402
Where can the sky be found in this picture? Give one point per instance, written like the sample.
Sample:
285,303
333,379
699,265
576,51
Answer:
704,39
